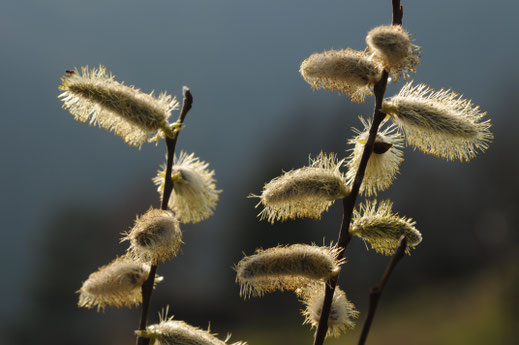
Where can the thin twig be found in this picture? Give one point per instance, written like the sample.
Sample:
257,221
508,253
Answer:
376,291
348,203
171,143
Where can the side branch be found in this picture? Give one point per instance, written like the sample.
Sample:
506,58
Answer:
376,291
171,143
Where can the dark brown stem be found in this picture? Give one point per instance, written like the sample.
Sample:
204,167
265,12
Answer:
348,203
171,143
376,291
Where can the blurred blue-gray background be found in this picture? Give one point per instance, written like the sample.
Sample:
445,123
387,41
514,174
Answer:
68,190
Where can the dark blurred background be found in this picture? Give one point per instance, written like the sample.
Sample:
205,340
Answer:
68,190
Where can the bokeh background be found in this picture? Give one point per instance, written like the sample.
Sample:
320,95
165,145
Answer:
68,191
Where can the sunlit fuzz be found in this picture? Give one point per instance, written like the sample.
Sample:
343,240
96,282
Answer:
93,95
155,237
382,229
383,165
348,71
173,332
285,268
117,284
392,46
305,192
342,313
194,196
440,122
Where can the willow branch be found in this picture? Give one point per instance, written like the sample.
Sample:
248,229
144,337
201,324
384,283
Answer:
376,291
348,203
171,143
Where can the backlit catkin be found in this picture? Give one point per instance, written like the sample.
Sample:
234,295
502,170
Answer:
173,332
155,237
349,71
342,313
285,268
382,167
439,122
305,192
131,114
117,284
392,47
194,195
382,229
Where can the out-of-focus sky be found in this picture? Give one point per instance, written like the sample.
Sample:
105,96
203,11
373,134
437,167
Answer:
241,61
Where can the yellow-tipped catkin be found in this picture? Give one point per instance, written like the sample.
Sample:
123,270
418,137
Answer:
285,268
155,237
117,284
194,196
342,313
131,114
349,71
440,123
173,332
305,192
382,167
391,46
382,229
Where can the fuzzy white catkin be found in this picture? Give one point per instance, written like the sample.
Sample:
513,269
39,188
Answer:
117,284
342,313
173,332
439,122
305,192
131,114
155,237
382,229
382,168
391,46
285,268
348,71
194,196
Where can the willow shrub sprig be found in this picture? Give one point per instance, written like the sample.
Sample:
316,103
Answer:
437,122
156,236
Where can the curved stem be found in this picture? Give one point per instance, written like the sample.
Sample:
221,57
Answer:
171,143
348,203
376,291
